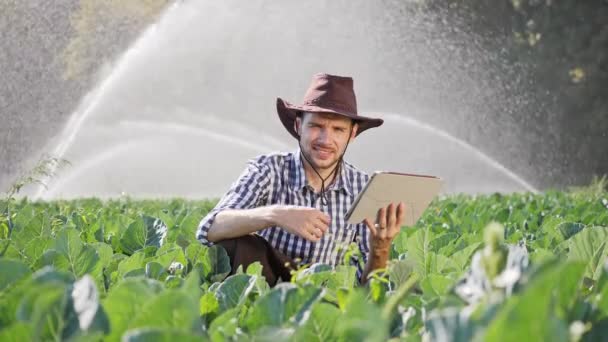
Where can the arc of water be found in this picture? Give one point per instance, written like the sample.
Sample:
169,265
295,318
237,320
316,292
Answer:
221,120
445,135
197,131
91,101
99,158
203,132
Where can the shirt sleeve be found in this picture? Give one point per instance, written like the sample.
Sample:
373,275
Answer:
249,191
362,239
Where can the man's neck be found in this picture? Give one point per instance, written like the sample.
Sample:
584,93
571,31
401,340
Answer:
314,180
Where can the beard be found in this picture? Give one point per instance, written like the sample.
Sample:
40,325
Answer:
321,157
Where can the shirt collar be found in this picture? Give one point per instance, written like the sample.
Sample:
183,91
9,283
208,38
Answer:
297,176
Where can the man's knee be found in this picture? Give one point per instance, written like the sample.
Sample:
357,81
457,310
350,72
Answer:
245,250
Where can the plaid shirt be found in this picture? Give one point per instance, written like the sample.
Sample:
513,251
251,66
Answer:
279,178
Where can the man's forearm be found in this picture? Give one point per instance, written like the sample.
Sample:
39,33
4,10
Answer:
376,259
232,223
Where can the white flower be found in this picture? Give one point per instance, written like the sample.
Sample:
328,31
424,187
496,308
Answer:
175,266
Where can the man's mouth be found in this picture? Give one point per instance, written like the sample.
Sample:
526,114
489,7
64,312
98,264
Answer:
323,153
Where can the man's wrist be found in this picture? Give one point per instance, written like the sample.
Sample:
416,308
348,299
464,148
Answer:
272,215
380,248
379,252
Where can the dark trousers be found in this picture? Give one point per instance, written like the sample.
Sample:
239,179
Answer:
248,249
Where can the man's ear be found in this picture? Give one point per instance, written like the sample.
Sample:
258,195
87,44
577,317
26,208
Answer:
354,131
297,123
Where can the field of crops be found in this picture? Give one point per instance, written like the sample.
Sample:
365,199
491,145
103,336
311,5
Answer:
132,270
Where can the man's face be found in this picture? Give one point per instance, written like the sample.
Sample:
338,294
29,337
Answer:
324,137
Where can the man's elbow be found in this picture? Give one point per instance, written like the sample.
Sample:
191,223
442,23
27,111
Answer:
212,235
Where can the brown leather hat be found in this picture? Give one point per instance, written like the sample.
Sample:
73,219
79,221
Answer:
326,94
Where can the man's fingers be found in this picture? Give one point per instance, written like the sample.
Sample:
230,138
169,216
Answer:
371,227
317,229
323,217
321,226
322,221
312,235
381,219
400,213
391,215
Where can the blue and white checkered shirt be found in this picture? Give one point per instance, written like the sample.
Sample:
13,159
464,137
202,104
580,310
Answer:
279,178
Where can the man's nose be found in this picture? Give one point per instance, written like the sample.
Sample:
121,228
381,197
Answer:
324,135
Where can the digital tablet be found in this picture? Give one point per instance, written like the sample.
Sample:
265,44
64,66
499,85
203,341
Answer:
383,188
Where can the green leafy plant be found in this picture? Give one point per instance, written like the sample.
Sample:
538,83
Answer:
493,268
44,170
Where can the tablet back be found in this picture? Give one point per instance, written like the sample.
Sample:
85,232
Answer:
415,191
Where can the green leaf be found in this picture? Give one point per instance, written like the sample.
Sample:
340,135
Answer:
11,272
213,262
541,255
23,216
156,271
174,282
104,251
44,306
209,303
192,286
133,262
569,229
35,227
18,332
254,269
272,334
286,303
168,254
533,316
50,275
160,335
590,246
86,261
442,240
436,285
463,258
233,292
126,300
184,234
170,309
320,326
400,242
68,243
138,272
344,276
419,250
399,271
35,248
445,265
450,324
362,320
144,232
225,326
377,289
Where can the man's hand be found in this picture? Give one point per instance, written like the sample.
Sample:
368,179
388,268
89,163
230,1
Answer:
309,223
387,226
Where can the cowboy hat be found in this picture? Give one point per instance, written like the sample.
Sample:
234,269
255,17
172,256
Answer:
326,94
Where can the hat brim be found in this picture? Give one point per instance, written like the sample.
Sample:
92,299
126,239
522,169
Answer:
288,112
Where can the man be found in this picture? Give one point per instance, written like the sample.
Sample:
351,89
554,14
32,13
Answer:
290,207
